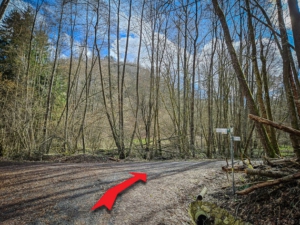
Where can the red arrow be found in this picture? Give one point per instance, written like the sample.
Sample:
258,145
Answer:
111,194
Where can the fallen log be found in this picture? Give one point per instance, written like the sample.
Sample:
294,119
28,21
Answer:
267,161
238,168
235,169
278,162
270,183
274,124
266,173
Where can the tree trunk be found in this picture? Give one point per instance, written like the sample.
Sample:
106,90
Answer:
49,96
295,18
192,110
72,24
121,104
185,84
210,139
137,79
271,130
287,80
179,132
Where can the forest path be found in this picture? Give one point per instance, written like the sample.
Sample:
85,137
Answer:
63,193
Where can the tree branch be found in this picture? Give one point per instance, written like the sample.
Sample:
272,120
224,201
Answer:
274,124
270,183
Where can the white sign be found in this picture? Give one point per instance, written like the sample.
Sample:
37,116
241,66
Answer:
222,130
235,138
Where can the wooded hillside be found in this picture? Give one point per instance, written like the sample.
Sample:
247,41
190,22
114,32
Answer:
148,78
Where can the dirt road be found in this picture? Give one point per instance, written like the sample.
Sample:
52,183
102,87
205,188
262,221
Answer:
61,193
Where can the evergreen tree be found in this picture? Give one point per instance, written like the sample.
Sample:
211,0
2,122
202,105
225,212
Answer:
14,42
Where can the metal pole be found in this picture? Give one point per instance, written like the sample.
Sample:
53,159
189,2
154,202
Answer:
231,150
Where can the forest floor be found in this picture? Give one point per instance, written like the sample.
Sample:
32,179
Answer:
64,190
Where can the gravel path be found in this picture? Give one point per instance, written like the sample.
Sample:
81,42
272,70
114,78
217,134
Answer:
61,193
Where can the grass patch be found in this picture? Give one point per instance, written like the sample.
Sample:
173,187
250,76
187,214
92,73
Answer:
137,141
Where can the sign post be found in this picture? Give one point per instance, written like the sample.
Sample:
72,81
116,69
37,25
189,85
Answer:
232,156
232,139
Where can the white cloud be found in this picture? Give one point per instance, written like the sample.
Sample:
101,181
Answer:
65,47
166,53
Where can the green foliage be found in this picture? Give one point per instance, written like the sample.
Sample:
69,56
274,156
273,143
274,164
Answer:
24,70
59,95
286,148
39,62
137,141
14,38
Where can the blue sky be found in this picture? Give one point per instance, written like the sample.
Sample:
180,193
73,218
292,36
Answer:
134,33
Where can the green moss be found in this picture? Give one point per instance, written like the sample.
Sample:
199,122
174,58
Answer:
217,215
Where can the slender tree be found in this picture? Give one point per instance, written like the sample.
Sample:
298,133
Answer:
137,82
288,79
192,110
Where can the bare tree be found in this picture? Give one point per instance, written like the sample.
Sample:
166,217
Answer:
242,81
192,110
121,107
53,71
137,78
73,16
